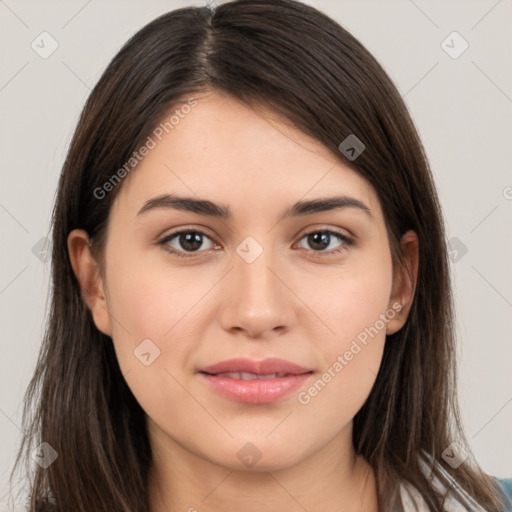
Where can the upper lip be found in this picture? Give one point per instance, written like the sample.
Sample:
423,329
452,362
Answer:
264,367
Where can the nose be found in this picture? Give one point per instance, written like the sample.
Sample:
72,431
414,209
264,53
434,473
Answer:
256,299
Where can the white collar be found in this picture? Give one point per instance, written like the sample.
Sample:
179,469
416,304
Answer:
458,500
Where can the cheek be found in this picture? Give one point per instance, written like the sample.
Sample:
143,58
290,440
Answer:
152,298
149,305
353,306
352,299
150,302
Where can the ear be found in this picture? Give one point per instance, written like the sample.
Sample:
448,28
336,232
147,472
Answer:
87,273
404,283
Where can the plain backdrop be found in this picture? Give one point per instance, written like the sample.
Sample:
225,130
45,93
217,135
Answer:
460,99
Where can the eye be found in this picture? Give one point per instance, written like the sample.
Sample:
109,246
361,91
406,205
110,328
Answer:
320,240
187,241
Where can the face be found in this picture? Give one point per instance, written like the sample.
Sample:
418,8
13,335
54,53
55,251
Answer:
186,290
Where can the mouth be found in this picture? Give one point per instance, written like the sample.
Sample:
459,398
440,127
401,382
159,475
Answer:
249,381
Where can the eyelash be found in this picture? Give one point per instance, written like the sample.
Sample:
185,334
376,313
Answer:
347,242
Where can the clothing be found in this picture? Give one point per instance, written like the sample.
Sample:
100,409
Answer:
458,499
506,487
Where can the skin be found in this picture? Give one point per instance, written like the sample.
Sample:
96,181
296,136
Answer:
295,301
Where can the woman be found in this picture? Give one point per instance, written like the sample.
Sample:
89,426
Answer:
251,301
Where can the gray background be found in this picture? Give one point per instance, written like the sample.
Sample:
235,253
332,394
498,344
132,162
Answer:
462,107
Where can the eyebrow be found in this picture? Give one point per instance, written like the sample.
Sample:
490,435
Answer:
205,207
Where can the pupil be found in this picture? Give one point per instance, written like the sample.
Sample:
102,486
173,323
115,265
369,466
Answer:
320,240
194,239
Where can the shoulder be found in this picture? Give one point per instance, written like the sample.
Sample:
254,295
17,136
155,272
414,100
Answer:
505,485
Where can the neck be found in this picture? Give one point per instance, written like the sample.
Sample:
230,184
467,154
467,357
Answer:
332,479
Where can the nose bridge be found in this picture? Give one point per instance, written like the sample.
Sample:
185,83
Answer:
258,299
253,276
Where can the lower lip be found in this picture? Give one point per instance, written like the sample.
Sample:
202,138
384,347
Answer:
257,391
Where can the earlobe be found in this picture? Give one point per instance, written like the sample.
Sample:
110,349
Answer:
404,283
87,273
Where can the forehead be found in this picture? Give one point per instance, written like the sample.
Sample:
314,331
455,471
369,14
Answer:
226,151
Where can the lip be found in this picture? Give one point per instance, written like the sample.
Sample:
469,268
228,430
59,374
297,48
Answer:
257,391
264,367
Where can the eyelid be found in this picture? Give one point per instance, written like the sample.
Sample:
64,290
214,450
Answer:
197,228
322,228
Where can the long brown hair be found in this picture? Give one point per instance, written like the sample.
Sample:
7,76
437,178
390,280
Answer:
291,58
